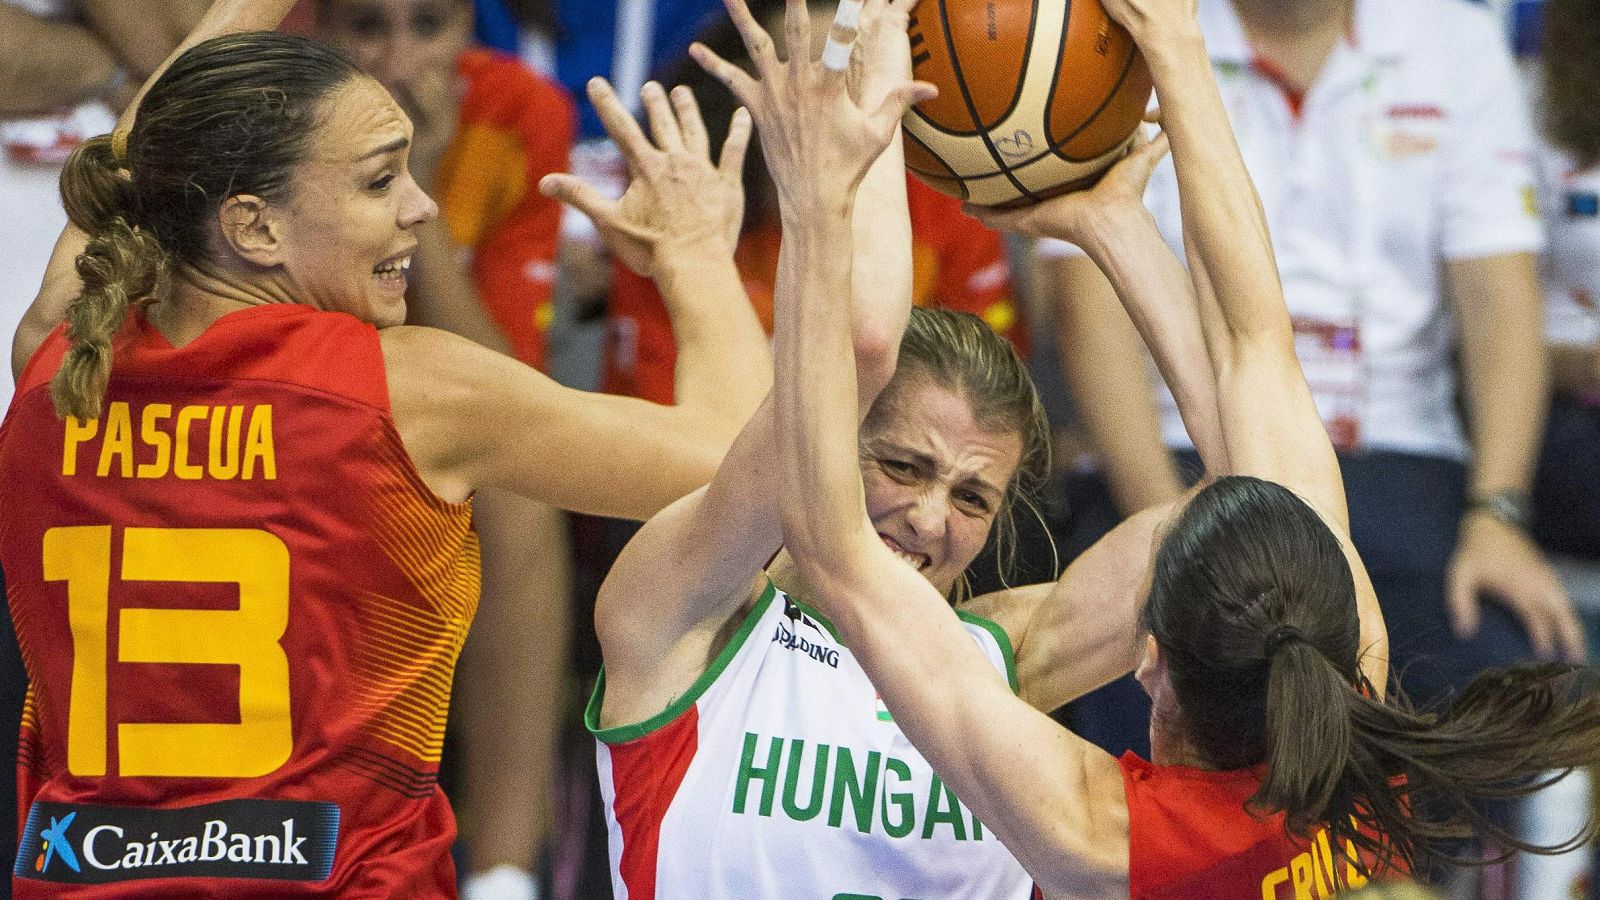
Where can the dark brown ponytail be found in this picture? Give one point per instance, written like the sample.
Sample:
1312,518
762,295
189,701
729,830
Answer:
121,265
1253,605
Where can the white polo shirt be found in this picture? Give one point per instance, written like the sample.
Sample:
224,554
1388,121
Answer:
1412,149
1569,198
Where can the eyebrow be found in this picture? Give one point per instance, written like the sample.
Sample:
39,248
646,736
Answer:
926,461
398,143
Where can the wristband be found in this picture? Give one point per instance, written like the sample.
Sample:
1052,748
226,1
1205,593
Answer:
1511,507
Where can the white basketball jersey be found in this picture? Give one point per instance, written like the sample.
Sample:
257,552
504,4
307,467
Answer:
781,774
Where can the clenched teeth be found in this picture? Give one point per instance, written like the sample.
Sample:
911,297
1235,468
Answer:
394,268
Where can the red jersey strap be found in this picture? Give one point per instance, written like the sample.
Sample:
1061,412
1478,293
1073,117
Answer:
1191,837
42,365
286,343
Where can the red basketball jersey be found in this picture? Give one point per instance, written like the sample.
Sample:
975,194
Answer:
1191,838
240,609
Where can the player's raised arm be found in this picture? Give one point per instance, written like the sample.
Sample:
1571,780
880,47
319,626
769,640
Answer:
1269,419
718,538
1015,768
473,418
61,283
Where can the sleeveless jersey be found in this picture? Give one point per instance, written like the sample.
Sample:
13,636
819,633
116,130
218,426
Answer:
781,774
240,609
1191,838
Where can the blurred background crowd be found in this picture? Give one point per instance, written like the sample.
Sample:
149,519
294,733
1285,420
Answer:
1437,224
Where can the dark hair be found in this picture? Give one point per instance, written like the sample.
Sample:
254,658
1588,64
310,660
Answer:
960,353
1572,78
233,115
1253,606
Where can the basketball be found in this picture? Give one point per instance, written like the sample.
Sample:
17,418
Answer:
1036,97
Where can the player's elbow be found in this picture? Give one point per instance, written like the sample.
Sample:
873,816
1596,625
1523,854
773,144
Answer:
877,351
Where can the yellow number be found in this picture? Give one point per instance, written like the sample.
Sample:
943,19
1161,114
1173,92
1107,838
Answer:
82,558
248,637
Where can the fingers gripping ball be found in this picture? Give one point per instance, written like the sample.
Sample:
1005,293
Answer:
1036,97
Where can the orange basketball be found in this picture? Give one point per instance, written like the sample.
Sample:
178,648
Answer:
1036,97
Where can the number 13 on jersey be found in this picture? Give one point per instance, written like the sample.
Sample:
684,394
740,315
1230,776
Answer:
247,637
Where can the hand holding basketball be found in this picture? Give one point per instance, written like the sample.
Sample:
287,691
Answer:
817,140
1069,217
676,196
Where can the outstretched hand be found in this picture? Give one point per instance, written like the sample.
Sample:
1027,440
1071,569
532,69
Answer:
676,196
1069,216
818,140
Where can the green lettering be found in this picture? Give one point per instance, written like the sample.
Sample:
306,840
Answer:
977,828
819,781
863,792
749,771
908,809
943,807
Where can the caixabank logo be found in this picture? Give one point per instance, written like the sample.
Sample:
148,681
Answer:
76,843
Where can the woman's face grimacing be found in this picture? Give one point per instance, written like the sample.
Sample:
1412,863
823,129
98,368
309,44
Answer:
346,232
934,478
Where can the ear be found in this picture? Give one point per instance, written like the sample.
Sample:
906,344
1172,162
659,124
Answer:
250,227
1151,666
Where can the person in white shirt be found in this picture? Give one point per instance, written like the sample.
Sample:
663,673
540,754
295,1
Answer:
1390,144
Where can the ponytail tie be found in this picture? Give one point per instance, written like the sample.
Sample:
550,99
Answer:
119,147
1281,635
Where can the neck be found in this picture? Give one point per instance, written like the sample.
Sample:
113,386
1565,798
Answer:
200,296
1169,742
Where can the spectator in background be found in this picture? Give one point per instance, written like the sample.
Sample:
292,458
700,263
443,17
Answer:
486,130
1390,146
66,68
1566,494
958,263
1567,491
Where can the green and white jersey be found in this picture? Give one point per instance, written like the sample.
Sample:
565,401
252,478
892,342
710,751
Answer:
781,774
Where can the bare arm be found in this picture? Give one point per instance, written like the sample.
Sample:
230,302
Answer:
658,624
1104,364
1019,772
142,32
1269,420
45,65
1507,379
1113,227
473,418
1080,632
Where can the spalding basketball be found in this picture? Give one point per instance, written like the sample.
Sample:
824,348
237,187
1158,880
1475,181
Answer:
1036,97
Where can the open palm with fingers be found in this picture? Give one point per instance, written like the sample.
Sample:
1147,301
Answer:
676,196
818,140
